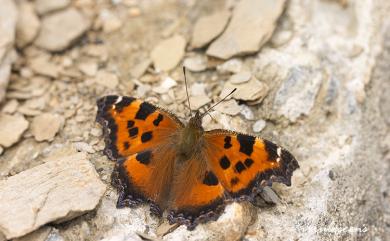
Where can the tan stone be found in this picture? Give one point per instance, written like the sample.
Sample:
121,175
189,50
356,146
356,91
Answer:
12,128
168,53
58,190
207,28
27,26
252,25
45,126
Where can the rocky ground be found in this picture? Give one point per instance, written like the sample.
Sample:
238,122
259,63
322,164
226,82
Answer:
312,76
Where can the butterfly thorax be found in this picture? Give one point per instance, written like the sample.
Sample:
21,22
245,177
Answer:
189,142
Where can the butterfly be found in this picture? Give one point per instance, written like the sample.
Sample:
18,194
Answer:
181,168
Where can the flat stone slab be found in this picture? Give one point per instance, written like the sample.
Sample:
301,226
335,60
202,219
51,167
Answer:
168,53
208,28
59,30
251,26
12,128
58,190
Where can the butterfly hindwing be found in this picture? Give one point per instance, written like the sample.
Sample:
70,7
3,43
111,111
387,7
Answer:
136,135
197,195
244,163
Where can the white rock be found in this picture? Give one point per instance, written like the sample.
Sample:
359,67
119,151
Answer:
111,22
240,77
61,29
63,189
12,128
197,89
88,68
46,6
28,24
168,53
207,28
1,150
8,18
297,93
247,112
199,101
45,126
142,90
252,24
107,79
229,107
249,91
84,147
230,66
165,86
258,125
196,63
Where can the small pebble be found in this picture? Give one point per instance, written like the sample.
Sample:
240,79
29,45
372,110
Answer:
259,125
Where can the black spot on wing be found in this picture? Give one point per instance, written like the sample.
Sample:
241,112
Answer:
234,181
145,109
271,149
239,167
224,162
210,179
130,124
248,162
246,143
228,143
126,145
133,132
147,136
157,121
144,157
126,101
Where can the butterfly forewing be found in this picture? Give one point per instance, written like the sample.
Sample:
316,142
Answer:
136,136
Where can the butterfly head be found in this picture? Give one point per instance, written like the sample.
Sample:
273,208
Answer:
195,122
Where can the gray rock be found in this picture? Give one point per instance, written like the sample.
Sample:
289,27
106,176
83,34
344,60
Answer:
62,191
28,24
59,30
8,19
12,128
258,125
207,28
252,25
46,6
168,53
297,93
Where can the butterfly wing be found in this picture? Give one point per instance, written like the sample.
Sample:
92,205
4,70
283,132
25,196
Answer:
232,167
244,164
197,195
137,136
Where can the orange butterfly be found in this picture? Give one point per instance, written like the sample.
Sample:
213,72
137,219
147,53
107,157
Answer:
181,168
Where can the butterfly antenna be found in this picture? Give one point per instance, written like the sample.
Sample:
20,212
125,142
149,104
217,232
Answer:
188,97
224,98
